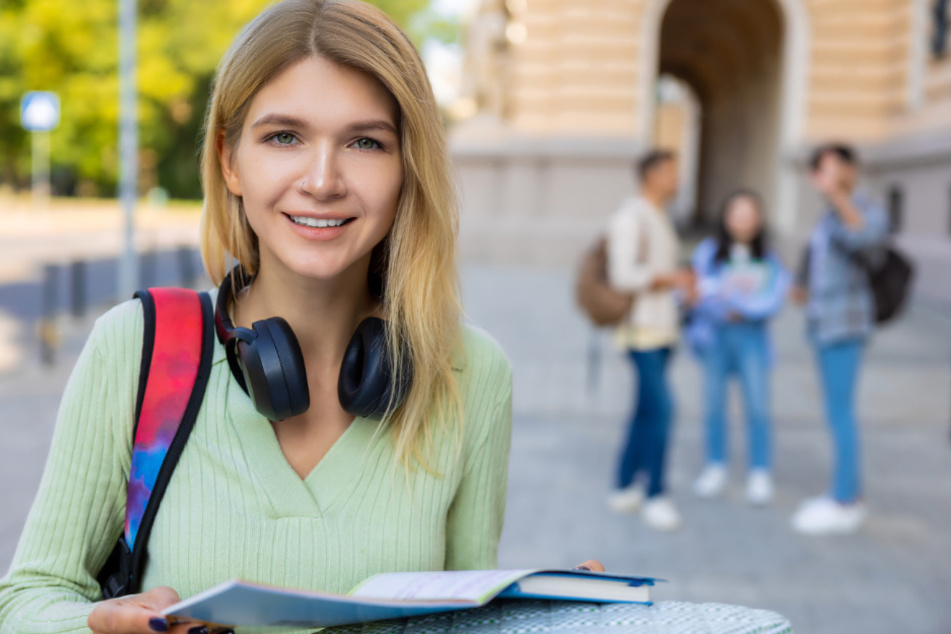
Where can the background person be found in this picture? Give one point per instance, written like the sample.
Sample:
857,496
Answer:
840,315
643,252
741,285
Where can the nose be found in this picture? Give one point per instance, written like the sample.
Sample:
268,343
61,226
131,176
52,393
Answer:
323,178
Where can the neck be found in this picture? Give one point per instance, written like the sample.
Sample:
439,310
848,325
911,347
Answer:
322,313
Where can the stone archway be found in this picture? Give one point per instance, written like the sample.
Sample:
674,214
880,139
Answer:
748,64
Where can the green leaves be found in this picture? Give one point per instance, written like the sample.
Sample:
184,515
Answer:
72,49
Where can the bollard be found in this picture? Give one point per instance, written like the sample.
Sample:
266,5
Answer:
47,333
186,266
147,269
77,289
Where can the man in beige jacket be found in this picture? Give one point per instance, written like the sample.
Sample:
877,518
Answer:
643,253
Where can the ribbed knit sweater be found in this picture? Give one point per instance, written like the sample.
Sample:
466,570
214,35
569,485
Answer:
235,507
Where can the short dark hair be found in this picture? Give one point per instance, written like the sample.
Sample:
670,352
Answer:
652,159
846,154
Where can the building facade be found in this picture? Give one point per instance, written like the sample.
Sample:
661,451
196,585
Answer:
572,92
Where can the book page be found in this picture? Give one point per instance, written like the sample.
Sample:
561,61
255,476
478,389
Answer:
469,585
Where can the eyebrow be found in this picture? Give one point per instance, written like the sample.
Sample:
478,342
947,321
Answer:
279,119
375,124
294,122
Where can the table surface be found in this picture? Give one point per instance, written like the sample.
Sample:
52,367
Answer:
540,617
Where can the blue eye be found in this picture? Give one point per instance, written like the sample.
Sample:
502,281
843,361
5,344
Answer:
367,143
283,138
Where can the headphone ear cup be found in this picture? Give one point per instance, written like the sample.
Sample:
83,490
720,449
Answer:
367,384
274,371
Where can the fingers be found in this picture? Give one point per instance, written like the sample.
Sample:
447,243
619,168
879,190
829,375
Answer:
134,614
593,565
122,617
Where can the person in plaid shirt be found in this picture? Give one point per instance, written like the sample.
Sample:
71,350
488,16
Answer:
840,311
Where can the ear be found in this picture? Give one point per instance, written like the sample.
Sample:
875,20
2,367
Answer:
226,162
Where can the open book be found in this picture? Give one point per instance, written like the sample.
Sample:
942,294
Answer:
400,595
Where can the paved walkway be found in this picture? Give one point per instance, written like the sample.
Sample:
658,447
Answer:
895,576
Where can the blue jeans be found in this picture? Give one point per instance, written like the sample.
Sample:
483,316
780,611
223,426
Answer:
743,349
645,450
839,370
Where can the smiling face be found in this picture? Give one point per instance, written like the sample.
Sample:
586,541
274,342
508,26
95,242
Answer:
318,168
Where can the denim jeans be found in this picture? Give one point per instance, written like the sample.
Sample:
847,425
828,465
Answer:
838,371
645,449
742,349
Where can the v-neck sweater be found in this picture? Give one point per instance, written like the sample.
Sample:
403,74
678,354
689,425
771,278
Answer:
236,508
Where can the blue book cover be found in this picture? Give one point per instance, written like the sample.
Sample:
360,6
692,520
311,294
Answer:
400,595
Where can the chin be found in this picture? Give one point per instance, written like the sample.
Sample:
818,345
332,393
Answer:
323,269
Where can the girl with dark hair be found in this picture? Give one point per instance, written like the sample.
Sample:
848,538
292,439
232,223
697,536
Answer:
741,285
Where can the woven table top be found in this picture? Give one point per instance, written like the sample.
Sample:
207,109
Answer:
540,617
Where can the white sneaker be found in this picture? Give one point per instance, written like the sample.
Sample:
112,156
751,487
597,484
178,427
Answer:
825,516
661,514
626,500
712,481
759,487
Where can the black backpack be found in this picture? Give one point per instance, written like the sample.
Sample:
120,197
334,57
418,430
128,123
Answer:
890,281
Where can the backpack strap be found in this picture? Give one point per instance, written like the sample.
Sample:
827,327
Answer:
177,346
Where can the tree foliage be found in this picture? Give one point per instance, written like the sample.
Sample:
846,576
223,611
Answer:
71,48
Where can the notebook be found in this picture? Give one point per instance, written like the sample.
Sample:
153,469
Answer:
239,603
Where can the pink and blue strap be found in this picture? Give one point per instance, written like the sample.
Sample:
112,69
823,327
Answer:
172,374
177,345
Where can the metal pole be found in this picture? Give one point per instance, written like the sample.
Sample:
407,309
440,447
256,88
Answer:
128,146
40,157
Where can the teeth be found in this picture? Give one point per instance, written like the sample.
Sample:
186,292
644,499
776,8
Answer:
317,222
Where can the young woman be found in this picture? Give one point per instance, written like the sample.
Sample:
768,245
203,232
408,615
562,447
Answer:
741,285
327,180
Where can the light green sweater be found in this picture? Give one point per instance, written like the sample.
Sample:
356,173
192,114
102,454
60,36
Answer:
236,508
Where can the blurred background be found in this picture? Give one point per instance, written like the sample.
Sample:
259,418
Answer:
547,104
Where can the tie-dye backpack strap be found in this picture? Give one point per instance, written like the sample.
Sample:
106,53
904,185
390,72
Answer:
176,359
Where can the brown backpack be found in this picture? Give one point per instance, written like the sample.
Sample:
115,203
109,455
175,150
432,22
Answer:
603,304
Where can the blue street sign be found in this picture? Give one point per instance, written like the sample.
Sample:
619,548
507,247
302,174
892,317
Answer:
39,111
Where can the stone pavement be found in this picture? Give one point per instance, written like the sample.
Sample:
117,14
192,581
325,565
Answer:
894,576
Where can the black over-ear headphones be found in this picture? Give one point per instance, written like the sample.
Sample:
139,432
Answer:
267,362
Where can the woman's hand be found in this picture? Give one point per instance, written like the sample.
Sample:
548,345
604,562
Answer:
138,614
592,565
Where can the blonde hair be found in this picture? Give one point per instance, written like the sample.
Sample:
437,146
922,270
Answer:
416,261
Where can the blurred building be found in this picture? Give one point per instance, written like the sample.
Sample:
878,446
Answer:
562,95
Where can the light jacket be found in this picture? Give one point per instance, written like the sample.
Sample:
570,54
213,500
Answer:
753,290
642,243
841,305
